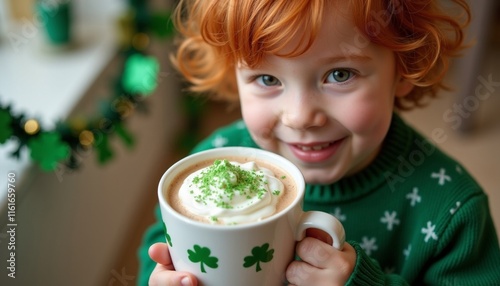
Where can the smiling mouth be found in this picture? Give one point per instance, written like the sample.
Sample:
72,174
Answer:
316,152
314,147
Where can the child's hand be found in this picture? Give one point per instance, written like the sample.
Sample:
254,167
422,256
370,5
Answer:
321,263
164,273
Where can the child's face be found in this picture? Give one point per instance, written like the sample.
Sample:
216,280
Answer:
327,110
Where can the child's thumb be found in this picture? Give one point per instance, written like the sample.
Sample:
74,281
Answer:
160,254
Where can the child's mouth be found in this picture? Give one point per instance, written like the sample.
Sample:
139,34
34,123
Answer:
314,153
314,147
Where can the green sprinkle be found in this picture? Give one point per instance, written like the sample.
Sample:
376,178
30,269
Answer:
214,218
276,192
229,178
283,177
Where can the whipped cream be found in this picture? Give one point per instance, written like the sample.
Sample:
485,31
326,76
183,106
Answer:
231,193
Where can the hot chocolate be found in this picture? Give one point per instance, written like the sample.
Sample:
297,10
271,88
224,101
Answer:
231,191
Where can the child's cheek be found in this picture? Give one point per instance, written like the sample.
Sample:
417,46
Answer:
368,121
258,120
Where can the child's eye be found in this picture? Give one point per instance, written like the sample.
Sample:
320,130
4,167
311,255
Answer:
268,80
339,75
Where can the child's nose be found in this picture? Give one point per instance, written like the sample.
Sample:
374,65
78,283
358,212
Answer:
303,112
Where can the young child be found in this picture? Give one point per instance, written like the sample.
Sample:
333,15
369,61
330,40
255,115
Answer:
319,82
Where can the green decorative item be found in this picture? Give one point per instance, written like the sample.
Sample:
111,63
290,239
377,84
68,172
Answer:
5,126
202,255
138,79
127,138
167,236
259,254
162,24
104,152
56,17
140,75
193,107
48,150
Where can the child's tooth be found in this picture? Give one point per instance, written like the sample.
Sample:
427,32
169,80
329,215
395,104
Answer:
315,148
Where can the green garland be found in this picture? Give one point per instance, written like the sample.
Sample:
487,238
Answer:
62,144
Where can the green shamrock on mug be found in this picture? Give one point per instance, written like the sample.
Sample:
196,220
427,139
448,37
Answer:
167,236
202,255
259,254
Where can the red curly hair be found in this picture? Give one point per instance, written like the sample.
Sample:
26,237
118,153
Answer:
217,34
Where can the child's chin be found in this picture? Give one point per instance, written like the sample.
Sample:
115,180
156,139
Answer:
319,178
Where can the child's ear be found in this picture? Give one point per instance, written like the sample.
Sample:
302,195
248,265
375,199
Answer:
403,87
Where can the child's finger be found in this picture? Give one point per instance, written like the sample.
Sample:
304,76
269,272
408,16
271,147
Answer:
160,254
164,273
319,234
315,252
163,276
300,273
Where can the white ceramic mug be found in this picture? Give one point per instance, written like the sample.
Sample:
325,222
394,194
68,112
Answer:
256,253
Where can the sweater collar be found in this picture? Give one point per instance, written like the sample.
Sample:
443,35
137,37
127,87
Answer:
396,144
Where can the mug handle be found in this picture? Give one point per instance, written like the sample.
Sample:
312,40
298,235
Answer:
325,222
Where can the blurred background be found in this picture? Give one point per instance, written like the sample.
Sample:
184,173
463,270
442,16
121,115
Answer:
79,221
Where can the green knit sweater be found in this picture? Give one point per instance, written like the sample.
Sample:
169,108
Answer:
414,216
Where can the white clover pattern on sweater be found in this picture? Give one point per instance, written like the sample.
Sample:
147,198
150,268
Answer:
219,141
369,245
338,214
407,251
441,176
457,206
390,219
429,231
414,197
